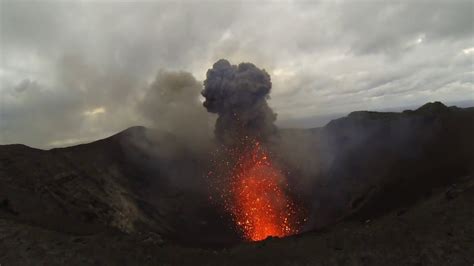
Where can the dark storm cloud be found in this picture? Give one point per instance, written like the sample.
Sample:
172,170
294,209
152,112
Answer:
93,61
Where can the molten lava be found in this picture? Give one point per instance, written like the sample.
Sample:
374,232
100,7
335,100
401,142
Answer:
256,196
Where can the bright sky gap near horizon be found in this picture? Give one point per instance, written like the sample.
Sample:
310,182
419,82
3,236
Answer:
73,71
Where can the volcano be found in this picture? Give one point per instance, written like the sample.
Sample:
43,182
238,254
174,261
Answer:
392,188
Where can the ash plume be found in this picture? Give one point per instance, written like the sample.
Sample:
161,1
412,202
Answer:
171,104
238,94
179,134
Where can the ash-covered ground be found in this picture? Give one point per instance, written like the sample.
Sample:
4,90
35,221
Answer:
380,188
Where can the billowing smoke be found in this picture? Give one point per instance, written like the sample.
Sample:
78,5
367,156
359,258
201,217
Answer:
171,105
238,94
179,134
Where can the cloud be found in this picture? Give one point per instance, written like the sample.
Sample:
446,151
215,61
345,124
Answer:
61,59
95,111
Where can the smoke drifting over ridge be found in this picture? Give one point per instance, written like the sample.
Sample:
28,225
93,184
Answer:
238,94
171,104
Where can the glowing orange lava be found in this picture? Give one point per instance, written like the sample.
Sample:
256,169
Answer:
258,202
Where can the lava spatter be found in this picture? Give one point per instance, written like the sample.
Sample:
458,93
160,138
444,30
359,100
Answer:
255,195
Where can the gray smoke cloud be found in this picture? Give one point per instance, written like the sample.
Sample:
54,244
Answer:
238,94
172,105
175,145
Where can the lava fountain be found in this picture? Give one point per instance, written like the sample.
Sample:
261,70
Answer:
252,188
255,194
259,204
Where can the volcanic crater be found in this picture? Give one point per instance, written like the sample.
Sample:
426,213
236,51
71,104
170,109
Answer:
149,194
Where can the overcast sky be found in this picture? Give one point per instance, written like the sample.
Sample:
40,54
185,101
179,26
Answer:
74,71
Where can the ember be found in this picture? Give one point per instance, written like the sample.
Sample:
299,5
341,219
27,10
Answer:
256,196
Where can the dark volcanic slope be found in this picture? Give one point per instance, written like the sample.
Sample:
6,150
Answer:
438,231
107,184
79,190
374,162
400,185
